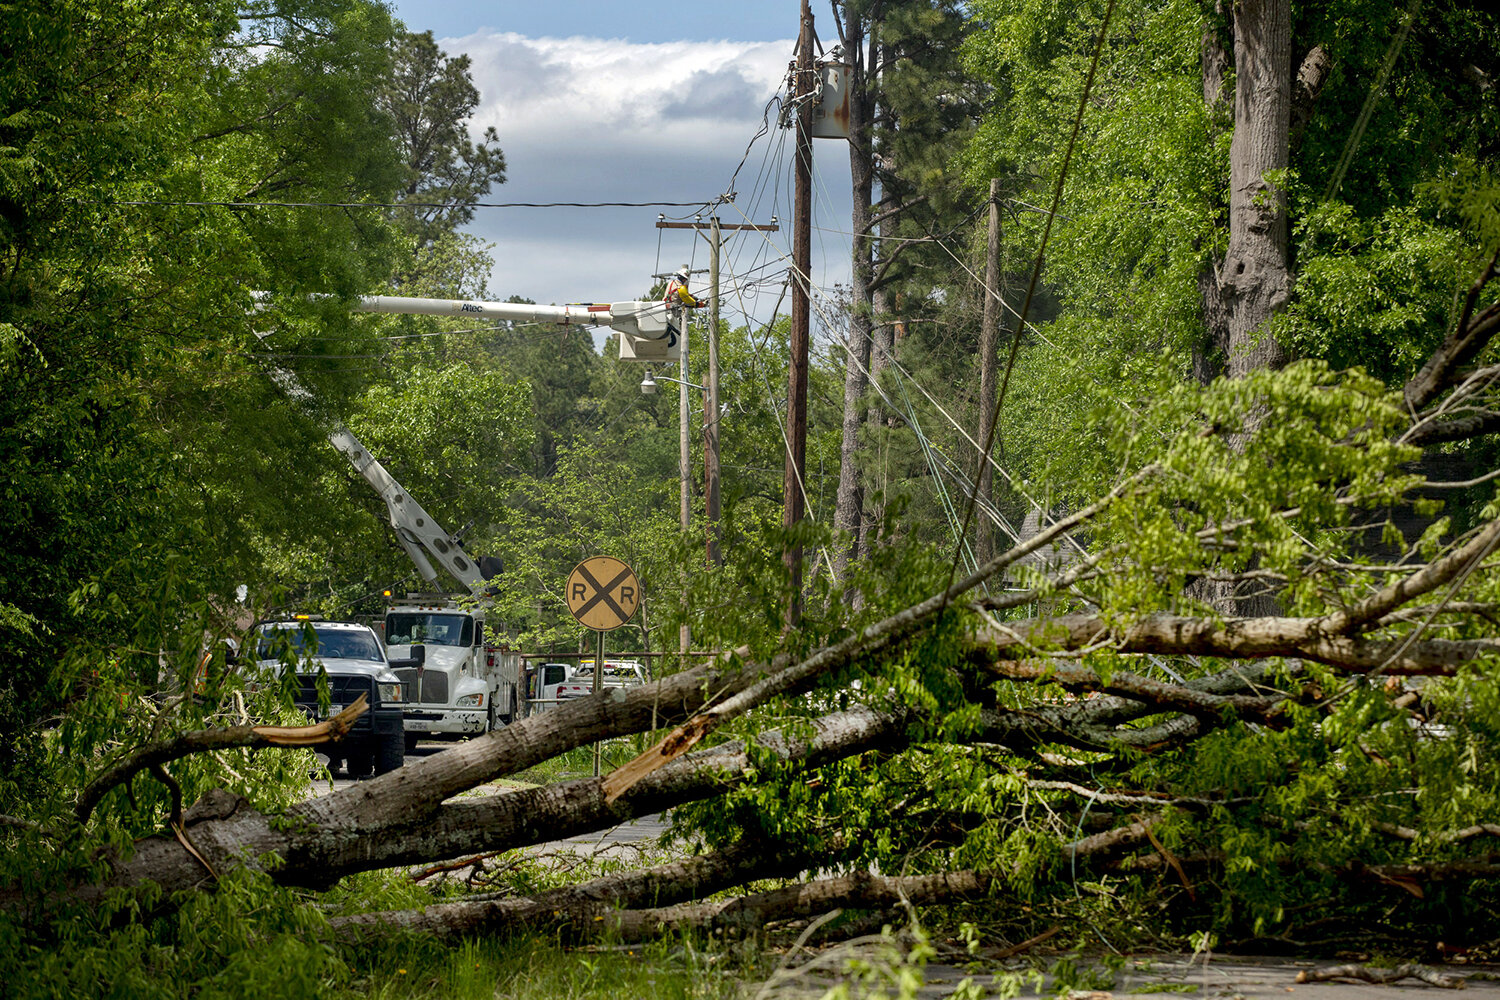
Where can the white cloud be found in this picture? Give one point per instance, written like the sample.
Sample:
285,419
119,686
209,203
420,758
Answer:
595,120
537,86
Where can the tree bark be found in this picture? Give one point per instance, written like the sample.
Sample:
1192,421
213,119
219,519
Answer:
882,328
580,906
612,907
1254,278
1208,356
223,831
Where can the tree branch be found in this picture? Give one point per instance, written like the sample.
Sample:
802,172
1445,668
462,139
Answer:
1237,638
1469,337
206,740
1460,561
873,638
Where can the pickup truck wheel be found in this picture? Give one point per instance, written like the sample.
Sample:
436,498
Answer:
411,743
360,762
390,754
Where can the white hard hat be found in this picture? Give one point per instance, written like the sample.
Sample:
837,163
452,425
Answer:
682,272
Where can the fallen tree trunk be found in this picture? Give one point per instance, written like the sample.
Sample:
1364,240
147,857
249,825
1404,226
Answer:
225,831
1236,638
222,831
639,905
580,905
862,890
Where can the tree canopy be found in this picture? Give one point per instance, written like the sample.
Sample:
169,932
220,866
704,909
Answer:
1216,653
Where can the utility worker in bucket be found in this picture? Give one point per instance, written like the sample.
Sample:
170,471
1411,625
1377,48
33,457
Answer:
677,291
678,297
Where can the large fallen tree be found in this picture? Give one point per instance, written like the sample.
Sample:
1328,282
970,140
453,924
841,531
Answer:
1127,729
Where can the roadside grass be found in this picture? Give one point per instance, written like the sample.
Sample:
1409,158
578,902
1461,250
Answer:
528,968
251,939
579,762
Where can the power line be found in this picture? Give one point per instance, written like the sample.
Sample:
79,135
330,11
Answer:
410,204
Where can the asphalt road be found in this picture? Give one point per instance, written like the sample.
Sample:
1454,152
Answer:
1224,977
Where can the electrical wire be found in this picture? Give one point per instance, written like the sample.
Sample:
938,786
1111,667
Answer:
389,205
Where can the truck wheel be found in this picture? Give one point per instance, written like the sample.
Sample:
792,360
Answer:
360,762
390,753
411,743
491,726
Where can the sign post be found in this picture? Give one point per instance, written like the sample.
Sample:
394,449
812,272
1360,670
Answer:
603,593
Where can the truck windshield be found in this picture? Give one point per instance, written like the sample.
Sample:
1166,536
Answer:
343,644
405,628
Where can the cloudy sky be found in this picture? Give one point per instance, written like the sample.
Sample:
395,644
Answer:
638,102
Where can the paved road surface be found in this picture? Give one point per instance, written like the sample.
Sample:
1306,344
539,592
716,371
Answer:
1225,978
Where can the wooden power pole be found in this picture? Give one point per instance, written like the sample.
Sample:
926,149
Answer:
793,508
711,402
989,345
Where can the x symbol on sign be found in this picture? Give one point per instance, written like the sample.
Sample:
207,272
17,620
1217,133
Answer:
601,594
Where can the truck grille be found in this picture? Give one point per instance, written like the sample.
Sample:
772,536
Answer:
342,691
434,686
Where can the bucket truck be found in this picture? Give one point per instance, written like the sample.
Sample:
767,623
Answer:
466,683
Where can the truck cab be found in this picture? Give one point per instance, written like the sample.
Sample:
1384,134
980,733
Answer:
466,686
546,679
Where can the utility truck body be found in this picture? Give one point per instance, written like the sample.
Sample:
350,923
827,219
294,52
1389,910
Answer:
466,685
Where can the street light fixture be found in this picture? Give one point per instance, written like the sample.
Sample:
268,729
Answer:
648,384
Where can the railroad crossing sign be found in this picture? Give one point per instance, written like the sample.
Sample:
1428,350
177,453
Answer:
603,593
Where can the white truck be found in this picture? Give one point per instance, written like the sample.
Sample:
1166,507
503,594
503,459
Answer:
466,683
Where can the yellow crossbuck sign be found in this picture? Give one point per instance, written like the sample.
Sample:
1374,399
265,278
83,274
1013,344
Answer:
603,593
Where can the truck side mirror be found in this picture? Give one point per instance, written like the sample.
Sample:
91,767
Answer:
415,660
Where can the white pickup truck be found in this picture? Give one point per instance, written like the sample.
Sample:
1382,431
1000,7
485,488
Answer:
616,674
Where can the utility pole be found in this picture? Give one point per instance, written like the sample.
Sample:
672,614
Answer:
793,509
989,341
711,402
684,462
711,385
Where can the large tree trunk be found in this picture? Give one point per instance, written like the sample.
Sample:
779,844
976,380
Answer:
1254,279
849,512
1208,356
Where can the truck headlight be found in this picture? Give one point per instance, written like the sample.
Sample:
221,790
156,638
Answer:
471,701
391,691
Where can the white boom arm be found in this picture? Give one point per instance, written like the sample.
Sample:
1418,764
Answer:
642,320
644,335
415,528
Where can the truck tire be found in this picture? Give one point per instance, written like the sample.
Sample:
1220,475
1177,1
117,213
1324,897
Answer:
390,753
360,762
491,727
411,743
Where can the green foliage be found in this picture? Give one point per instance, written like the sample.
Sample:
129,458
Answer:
252,939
